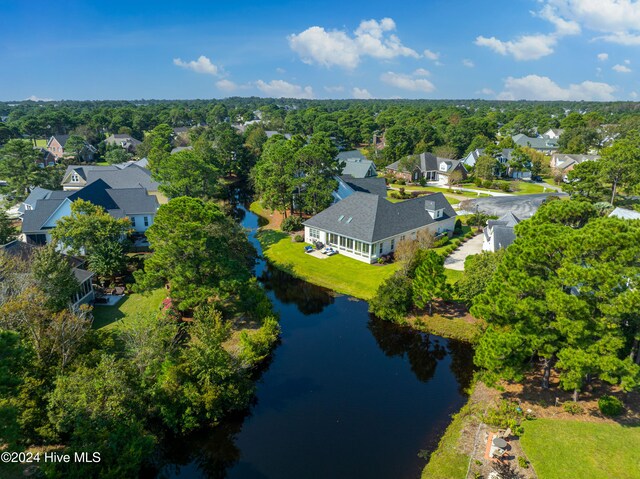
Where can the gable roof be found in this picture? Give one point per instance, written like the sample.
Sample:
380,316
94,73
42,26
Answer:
130,175
370,218
535,143
356,167
509,219
430,162
564,161
373,185
625,214
62,139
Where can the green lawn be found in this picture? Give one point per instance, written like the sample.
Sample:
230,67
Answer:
102,163
526,188
339,273
436,189
576,450
110,317
41,142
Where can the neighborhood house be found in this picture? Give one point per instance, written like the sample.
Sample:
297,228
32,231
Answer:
428,167
366,226
500,233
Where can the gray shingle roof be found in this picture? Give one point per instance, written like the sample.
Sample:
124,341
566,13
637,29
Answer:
134,201
535,143
32,220
131,176
503,236
356,167
372,218
430,162
509,219
373,185
564,161
625,214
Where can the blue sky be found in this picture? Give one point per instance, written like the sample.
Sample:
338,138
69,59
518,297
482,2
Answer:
516,49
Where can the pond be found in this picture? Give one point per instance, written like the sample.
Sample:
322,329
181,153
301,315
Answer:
343,396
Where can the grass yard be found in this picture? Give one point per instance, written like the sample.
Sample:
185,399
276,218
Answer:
41,142
436,189
339,273
526,188
110,317
576,450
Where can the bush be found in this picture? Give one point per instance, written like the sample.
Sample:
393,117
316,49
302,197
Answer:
477,181
487,184
298,238
393,299
401,182
291,223
458,227
573,408
441,242
610,405
256,346
423,182
394,194
523,463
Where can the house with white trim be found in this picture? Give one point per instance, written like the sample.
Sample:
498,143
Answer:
429,167
499,234
366,226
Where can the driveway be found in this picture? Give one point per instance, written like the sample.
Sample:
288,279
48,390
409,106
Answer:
456,259
523,206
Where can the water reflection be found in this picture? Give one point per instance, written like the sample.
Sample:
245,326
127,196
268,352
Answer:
309,299
421,350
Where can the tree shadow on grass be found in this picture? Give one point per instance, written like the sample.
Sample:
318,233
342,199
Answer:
270,237
105,315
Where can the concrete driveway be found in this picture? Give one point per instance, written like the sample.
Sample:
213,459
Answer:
456,259
523,206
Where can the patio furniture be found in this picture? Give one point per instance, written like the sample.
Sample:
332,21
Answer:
308,249
118,290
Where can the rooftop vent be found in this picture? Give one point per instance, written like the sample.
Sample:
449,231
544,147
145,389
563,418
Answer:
341,218
349,220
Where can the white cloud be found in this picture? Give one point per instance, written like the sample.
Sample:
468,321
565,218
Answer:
406,82
333,89
201,65
535,87
361,94
603,57
621,69
283,89
37,98
563,27
468,63
280,70
315,45
226,85
526,47
633,95
628,62
421,72
431,55
486,91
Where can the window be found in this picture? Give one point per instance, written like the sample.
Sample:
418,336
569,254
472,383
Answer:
133,221
146,221
75,178
349,243
314,233
381,244
333,238
393,242
365,249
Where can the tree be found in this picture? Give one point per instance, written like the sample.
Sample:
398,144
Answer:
107,259
187,173
274,175
485,167
7,230
430,281
75,144
520,161
117,155
19,167
319,167
156,145
478,272
87,227
393,299
621,165
202,254
54,277
405,253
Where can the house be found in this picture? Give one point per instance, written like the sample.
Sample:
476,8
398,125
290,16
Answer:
85,293
544,145
428,167
366,226
503,158
625,214
553,133
347,185
128,175
127,142
56,145
271,133
46,157
134,203
564,163
500,233
355,164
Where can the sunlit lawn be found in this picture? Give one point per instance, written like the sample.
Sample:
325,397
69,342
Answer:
110,317
576,450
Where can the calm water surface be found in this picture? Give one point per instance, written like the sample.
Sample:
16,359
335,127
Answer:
344,396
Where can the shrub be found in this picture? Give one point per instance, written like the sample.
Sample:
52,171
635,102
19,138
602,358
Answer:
298,238
441,242
382,260
423,182
573,408
458,227
610,405
523,463
487,184
291,223
393,299
401,182
395,194
477,181
256,346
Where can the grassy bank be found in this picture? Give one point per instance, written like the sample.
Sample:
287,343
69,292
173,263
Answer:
339,273
110,317
461,328
575,449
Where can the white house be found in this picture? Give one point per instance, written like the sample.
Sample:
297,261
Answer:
499,233
366,226
553,133
428,167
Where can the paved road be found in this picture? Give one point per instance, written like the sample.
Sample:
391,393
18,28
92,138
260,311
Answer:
456,259
523,206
